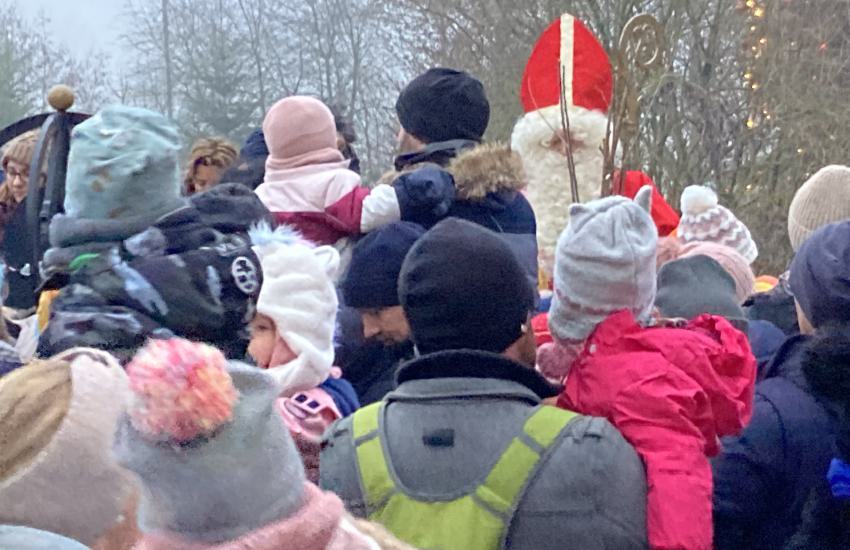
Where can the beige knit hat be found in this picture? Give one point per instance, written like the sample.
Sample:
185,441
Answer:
822,200
704,219
73,486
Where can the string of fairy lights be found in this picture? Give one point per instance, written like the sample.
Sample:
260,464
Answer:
755,46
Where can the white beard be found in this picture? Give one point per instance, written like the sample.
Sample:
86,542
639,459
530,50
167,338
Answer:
547,173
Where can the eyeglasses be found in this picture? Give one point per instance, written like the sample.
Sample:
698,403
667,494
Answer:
12,174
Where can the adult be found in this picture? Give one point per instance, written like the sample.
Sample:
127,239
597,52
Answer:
567,44
371,287
208,160
464,454
443,115
823,199
132,257
764,477
14,236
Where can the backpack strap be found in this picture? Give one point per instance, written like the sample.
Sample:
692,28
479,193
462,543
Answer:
501,491
376,483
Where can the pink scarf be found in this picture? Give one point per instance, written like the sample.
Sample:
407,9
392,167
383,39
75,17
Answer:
321,524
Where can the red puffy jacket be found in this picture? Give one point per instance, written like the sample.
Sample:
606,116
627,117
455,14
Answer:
672,392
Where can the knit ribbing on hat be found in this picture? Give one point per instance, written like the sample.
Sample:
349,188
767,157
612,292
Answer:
605,263
182,390
703,219
822,200
74,486
298,294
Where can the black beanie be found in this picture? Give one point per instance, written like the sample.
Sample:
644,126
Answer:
442,105
690,287
372,279
462,287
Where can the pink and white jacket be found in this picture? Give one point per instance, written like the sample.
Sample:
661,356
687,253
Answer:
326,202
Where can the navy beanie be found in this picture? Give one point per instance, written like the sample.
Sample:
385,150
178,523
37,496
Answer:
372,279
820,275
462,287
442,105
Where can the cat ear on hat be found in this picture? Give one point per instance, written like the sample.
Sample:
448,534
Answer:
329,258
644,198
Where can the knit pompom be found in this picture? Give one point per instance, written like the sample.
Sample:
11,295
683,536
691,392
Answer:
182,390
696,199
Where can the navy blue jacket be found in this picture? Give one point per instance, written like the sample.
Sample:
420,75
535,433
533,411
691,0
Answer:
488,180
763,478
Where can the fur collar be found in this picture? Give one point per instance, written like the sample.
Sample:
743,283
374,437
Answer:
489,168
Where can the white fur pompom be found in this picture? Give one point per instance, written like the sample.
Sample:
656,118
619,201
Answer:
696,199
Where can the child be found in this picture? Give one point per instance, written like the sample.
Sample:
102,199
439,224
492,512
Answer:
673,390
292,335
309,186
218,468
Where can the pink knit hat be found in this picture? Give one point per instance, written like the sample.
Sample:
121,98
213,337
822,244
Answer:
730,260
300,130
703,219
668,249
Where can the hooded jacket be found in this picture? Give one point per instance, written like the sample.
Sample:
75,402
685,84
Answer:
589,490
764,477
672,393
191,273
489,180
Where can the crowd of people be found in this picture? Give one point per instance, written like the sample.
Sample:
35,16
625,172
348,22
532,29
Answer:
258,349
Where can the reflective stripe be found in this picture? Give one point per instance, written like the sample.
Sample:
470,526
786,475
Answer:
488,509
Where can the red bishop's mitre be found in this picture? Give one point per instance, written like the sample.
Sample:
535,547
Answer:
567,43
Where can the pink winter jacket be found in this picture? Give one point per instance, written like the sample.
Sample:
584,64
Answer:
326,202
672,393
321,524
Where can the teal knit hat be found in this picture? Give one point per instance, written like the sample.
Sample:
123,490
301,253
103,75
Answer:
123,164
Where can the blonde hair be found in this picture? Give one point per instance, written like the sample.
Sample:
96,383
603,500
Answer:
34,400
214,151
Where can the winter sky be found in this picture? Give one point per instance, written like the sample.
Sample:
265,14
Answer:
80,25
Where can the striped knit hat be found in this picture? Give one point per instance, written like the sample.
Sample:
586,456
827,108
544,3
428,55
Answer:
822,200
703,219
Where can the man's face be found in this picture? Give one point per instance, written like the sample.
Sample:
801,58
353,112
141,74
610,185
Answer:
388,325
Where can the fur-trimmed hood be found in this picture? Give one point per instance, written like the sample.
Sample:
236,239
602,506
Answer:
489,168
477,171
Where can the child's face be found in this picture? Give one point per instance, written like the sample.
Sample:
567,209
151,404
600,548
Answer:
263,338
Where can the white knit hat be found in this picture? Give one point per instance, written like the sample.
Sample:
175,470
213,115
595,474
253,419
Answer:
605,262
703,219
298,294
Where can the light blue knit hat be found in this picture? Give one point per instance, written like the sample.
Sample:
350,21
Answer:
604,263
123,164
